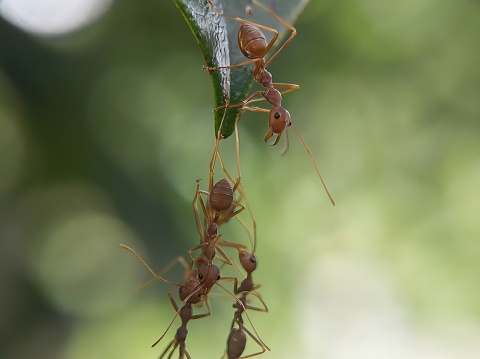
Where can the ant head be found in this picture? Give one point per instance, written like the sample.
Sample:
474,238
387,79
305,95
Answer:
248,261
190,286
185,292
208,274
278,121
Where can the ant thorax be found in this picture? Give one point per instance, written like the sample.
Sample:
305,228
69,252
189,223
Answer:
264,77
273,96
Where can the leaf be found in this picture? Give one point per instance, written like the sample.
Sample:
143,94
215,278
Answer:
218,41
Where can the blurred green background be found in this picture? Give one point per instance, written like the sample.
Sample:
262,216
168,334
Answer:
104,130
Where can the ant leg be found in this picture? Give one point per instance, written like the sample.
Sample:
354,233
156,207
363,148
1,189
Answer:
190,251
237,148
292,35
240,188
203,315
233,214
147,266
173,343
206,212
167,268
242,327
246,62
238,247
275,32
264,309
255,109
241,304
224,255
177,310
196,213
217,144
240,104
289,87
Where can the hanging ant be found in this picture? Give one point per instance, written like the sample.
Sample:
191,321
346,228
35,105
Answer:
207,275
181,335
218,209
254,46
237,338
220,199
188,292
198,283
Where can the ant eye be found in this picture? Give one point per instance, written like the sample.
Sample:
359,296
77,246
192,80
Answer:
199,294
277,115
180,290
218,277
200,275
253,260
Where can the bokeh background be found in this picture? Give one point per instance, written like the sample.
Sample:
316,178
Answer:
106,122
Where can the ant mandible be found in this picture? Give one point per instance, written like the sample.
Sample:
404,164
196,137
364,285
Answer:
254,46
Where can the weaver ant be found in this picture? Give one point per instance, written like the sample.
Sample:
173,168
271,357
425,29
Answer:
181,335
198,283
218,209
185,314
220,199
237,338
207,276
254,46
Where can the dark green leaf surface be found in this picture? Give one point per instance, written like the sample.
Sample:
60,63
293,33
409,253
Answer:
217,38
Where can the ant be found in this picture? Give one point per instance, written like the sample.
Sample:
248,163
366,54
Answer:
181,335
207,276
237,338
220,199
218,209
185,313
197,285
254,46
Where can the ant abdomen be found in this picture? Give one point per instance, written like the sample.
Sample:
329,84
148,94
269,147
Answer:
251,40
236,343
221,196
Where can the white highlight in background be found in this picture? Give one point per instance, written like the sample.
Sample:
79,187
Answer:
52,17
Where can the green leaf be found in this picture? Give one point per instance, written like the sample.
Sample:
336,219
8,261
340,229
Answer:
217,38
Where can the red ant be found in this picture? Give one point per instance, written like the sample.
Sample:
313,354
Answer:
186,314
207,274
254,46
218,209
237,339
198,284
238,336
220,199
181,335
